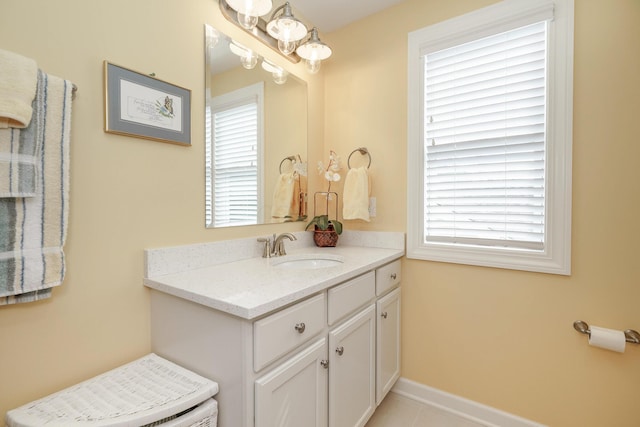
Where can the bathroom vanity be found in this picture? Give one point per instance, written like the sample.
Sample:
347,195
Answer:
308,339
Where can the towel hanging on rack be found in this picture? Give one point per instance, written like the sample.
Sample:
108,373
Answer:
285,204
18,167
33,230
356,194
357,188
18,79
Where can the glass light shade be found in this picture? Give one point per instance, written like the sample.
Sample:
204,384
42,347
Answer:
314,49
279,75
286,47
286,27
249,60
248,22
249,11
312,65
251,7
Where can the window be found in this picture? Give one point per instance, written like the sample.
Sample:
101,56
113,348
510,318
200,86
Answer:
490,128
234,158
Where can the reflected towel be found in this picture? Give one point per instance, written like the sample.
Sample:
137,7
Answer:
19,152
18,77
283,193
356,194
33,230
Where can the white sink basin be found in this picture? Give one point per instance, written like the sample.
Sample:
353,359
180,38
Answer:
308,261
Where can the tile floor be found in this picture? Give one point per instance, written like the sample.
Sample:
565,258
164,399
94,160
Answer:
400,411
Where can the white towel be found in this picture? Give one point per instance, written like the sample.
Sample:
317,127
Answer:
33,230
356,194
283,193
18,77
19,154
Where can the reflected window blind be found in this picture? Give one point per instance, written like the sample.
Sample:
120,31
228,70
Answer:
208,166
235,165
485,113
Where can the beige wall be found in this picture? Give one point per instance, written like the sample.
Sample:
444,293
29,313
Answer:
127,194
505,338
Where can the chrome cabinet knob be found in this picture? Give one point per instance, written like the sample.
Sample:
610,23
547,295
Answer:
324,363
340,350
300,327
383,315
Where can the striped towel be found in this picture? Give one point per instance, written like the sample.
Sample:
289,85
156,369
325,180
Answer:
18,76
33,230
19,152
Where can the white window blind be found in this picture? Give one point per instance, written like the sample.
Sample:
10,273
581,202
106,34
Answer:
484,141
235,165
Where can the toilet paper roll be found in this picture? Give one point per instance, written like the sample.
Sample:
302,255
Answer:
609,339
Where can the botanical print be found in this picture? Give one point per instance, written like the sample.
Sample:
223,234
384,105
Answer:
146,106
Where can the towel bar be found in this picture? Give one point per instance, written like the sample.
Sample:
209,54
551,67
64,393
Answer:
629,335
363,151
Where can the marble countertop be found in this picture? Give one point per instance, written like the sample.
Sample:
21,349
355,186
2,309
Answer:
250,288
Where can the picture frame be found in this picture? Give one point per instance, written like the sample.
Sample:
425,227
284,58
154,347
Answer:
143,106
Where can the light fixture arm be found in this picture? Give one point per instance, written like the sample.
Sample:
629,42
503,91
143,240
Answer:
312,36
280,9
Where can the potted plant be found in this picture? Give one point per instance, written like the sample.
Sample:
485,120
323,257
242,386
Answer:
325,231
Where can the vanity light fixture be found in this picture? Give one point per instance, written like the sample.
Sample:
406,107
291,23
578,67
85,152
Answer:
283,32
313,51
248,58
285,28
249,11
279,75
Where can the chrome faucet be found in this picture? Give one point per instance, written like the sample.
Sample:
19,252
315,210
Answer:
278,244
275,247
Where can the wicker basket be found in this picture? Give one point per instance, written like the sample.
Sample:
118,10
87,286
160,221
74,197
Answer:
325,238
150,391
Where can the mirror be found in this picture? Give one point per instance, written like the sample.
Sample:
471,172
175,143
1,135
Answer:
256,137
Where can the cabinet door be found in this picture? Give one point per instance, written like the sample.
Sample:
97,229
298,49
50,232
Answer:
295,393
352,370
387,343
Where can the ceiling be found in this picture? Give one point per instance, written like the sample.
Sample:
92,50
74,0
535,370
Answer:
330,15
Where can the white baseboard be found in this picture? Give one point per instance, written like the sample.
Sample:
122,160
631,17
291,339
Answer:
459,406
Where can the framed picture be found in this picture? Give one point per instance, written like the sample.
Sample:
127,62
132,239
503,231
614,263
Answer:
145,107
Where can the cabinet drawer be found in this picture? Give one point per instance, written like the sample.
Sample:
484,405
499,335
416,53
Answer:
345,298
387,277
281,332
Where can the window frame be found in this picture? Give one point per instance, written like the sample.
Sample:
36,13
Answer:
509,14
253,94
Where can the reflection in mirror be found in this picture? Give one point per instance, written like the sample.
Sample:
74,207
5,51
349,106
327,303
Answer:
256,137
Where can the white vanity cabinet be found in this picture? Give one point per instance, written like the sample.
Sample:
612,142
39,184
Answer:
322,361
352,369
352,338
387,328
295,393
387,343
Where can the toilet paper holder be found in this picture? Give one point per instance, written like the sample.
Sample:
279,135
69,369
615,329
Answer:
629,335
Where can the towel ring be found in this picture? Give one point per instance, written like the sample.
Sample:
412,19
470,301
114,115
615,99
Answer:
363,151
290,158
